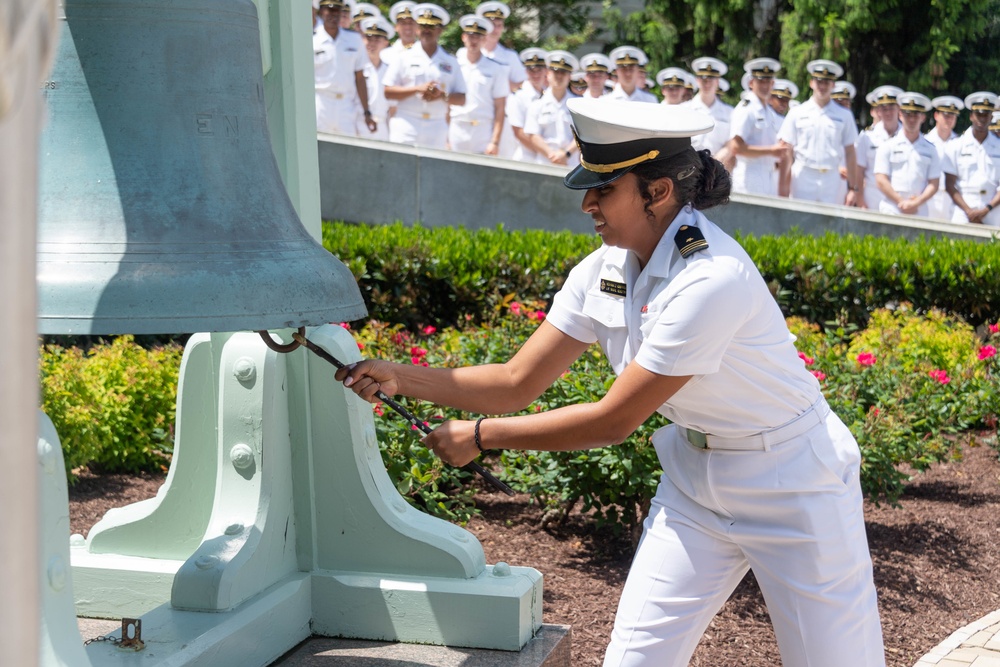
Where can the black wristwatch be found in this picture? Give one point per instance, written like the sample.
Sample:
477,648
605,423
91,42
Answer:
569,154
367,113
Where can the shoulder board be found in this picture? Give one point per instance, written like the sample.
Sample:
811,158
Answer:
689,240
745,103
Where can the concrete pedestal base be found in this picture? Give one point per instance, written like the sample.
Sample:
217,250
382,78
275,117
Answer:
549,648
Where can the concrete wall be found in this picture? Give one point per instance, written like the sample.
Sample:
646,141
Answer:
370,181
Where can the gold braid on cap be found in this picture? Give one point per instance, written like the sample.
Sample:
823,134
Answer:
608,168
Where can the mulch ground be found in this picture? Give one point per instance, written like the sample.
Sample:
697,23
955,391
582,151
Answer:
936,562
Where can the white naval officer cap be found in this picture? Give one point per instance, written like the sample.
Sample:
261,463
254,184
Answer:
671,76
762,68
348,6
376,26
995,122
615,136
745,84
824,69
947,104
364,10
596,62
843,90
709,67
628,55
562,60
913,101
401,10
493,10
578,77
533,57
691,82
332,4
982,101
427,13
724,85
785,88
475,25
884,95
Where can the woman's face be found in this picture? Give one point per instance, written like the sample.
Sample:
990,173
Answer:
620,218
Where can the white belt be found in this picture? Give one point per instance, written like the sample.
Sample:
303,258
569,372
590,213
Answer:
417,115
815,415
821,170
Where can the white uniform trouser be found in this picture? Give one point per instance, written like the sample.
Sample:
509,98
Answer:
940,206
405,128
470,136
978,199
792,514
381,130
822,185
755,176
886,206
336,113
873,196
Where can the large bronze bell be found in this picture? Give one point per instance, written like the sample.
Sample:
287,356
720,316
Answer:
161,206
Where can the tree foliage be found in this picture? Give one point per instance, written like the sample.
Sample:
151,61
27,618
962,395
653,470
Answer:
937,47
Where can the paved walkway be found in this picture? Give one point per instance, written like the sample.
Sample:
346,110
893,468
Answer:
975,645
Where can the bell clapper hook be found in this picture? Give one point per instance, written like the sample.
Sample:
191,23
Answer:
299,339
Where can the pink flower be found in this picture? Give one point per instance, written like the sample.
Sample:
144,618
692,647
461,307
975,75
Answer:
415,361
873,411
345,325
941,376
418,351
428,330
819,375
515,308
808,360
866,359
361,345
539,315
378,410
987,351
425,364
995,328
400,337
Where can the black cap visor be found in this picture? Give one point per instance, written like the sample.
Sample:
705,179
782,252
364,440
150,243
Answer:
601,164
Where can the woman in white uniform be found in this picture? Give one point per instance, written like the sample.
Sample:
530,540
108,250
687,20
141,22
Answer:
758,473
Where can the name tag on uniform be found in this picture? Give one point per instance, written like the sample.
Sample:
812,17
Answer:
611,287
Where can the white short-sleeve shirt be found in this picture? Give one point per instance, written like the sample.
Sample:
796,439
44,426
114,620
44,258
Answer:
977,165
909,166
819,134
638,95
516,73
549,118
485,81
722,113
336,61
413,67
710,316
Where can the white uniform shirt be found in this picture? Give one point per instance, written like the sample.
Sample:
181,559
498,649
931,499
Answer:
638,95
414,67
516,73
940,205
710,316
549,118
587,94
909,166
977,166
865,148
756,123
819,134
336,61
516,111
485,81
722,113
377,104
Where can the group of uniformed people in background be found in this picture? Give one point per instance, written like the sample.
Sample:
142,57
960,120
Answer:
389,79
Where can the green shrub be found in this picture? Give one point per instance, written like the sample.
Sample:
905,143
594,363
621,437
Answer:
113,405
416,276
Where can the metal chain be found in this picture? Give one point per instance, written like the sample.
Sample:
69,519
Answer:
103,638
